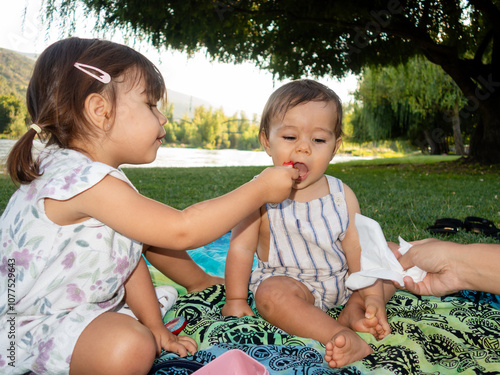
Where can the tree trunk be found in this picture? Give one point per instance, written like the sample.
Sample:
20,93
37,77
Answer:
435,143
482,89
432,145
457,134
485,139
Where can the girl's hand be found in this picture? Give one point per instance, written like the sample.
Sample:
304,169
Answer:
238,308
277,182
168,341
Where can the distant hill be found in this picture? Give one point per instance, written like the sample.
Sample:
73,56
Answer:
16,69
185,104
15,72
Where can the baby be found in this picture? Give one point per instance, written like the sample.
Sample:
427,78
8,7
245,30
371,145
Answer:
307,244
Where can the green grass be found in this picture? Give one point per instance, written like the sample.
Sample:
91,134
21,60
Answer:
405,198
407,159
405,195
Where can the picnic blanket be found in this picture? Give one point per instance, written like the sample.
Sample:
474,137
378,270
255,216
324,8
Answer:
457,334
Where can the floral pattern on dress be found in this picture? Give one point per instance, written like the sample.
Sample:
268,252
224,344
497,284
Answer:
65,276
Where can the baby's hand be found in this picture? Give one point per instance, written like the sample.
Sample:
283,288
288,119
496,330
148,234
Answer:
278,182
237,308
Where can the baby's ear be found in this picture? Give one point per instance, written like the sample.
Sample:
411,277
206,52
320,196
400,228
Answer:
97,110
264,141
338,142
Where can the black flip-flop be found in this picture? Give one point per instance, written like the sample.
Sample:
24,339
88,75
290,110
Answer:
482,226
446,225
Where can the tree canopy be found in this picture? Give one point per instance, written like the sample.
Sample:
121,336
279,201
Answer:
319,37
416,100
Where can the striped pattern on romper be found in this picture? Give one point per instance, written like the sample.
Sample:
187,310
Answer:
306,245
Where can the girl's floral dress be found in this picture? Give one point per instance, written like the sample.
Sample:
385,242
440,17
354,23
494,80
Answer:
56,279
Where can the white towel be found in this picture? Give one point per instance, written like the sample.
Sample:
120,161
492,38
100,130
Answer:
377,260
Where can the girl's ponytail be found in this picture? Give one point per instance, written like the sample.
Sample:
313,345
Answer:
21,165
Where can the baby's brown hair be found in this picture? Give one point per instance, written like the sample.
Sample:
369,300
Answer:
295,93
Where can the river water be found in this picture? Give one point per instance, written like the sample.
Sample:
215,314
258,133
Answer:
192,157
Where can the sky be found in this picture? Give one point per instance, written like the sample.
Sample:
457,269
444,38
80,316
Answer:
233,86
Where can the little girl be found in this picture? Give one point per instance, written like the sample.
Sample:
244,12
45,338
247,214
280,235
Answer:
72,236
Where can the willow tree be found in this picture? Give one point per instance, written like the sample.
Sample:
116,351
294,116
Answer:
415,100
318,37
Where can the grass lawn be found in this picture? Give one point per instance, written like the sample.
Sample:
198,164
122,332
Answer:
405,195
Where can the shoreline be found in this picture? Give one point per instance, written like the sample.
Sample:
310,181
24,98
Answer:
180,157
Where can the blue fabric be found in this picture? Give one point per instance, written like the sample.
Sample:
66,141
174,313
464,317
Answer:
212,257
482,297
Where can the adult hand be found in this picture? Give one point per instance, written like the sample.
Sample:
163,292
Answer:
439,260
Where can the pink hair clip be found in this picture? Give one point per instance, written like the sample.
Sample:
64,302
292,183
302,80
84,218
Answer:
104,77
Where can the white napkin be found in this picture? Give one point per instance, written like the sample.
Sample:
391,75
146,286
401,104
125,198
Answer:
377,260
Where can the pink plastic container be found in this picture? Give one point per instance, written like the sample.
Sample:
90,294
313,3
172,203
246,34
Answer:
233,362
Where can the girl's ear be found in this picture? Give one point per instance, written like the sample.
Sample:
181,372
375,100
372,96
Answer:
264,141
97,109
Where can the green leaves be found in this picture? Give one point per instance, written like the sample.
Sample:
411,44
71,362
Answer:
405,101
211,128
13,114
318,38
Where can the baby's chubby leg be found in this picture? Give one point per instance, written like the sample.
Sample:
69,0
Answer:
288,304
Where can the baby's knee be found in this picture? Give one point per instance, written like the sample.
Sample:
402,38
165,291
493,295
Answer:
270,295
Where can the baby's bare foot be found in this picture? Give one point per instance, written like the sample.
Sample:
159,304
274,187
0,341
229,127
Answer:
356,320
346,347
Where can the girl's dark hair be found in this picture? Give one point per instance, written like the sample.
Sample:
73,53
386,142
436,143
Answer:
295,93
57,92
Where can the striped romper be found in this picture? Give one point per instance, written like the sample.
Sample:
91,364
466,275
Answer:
306,245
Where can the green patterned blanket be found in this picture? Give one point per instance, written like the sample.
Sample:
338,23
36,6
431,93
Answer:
430,335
